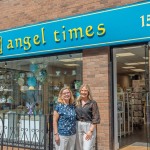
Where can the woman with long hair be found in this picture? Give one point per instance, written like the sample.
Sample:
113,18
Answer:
87,118
64,121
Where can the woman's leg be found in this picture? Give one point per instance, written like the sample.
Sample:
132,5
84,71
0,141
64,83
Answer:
79,141
71,142
79,137
88,144
63,143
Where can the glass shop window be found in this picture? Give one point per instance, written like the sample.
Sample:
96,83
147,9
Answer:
31,86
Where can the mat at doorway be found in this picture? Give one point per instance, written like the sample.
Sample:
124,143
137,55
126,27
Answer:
136,146
13,148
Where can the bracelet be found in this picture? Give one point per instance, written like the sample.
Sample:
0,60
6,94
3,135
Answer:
56,134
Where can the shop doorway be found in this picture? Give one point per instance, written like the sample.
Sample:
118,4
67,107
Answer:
131,97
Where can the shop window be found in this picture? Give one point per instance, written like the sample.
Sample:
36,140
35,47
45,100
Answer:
31,86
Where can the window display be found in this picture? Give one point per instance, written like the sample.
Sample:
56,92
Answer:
31,86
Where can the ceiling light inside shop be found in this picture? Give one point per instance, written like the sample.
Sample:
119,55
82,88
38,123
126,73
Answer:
124,54
71,65
130,67
131,64
138,70
142,63
137,63
129,47
71,60
146,58
132,47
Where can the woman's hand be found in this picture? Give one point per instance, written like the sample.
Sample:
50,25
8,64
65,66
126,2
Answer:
57,139
88,135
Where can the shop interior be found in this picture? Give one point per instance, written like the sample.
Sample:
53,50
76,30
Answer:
31,86
132,86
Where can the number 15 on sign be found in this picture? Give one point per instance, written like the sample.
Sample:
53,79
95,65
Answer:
145,20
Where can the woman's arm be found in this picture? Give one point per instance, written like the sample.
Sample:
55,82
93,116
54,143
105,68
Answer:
95,120
55,126
95,113
90,132
92,127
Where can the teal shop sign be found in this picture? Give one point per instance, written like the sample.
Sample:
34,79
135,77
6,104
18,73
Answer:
120,25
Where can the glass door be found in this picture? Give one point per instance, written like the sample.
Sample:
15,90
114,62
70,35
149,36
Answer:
131,97
147,68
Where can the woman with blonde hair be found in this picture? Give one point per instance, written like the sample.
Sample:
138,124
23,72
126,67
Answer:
87,118
64,121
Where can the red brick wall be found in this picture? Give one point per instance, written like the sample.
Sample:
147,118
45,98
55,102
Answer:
22,12
96,74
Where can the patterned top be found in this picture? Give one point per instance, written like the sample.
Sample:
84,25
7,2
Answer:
67,119
89,112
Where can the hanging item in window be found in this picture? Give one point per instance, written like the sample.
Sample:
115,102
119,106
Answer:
30,108
77,84
41,75
34,67
73,72
20,81
31,81
58,73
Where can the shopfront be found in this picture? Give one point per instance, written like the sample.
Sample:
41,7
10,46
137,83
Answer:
36,61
